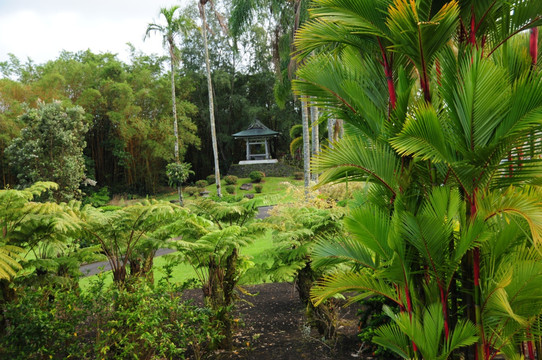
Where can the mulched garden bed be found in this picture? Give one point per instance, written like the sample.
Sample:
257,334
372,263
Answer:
273,327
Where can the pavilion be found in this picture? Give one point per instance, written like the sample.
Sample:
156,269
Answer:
255,136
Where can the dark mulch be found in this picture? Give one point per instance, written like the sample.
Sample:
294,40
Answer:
273,327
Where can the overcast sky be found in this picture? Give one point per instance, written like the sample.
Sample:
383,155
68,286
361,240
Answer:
40,29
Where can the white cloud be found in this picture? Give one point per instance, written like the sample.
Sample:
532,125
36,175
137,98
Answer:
41,29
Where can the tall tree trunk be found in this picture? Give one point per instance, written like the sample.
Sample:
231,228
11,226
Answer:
306,146
533,46
330,127
315,136
175,124
201,5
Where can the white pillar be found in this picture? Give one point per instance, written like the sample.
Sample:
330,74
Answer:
248,149
266,150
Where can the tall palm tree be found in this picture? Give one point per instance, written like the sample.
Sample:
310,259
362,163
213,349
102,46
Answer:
425,115
174,27
306,146
315,136
201,6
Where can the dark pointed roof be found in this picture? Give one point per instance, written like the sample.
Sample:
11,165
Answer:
256,129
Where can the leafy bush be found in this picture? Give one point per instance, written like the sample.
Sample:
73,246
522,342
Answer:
178,173
201,184
372,317
341,191
299,175
42,324
226,198
98,198
256,176
231,180
211,179
230,189
106,323
50,148
258,188
191,190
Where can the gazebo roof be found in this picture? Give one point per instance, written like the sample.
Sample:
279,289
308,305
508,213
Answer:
256,129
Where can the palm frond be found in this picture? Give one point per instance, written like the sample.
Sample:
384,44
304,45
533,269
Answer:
355,160
343,249
424,136
418,36
370,227
363,284
514,202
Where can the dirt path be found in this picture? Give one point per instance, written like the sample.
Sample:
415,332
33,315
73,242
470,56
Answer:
274,328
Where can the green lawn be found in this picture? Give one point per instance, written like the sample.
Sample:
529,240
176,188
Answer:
183,272
275,190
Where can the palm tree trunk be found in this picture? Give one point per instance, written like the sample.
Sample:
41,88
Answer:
533,46
211,100
175,124
306,146
315,136
330,127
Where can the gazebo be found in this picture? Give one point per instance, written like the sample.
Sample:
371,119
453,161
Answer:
257,135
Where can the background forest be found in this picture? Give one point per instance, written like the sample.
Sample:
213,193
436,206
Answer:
127,106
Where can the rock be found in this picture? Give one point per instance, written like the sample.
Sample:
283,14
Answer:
174,201
249,196
204,193
246,186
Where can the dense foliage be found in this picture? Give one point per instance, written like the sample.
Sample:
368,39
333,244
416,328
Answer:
106,323
50,148
443,106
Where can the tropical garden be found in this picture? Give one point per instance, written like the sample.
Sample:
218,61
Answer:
417,124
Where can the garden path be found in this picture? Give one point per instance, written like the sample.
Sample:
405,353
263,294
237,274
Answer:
273,326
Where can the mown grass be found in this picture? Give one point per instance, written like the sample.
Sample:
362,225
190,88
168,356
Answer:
274,190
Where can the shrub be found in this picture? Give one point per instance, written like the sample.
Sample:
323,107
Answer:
191,190
226,198
143,323
211,179
178,173
256,176
98,198
230,189
201,184
41,324
258,188
299,175
230,180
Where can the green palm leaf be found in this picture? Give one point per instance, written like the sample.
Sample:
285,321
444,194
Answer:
424,136
363,284
353,159
522,203
344,249
416,35
370,226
